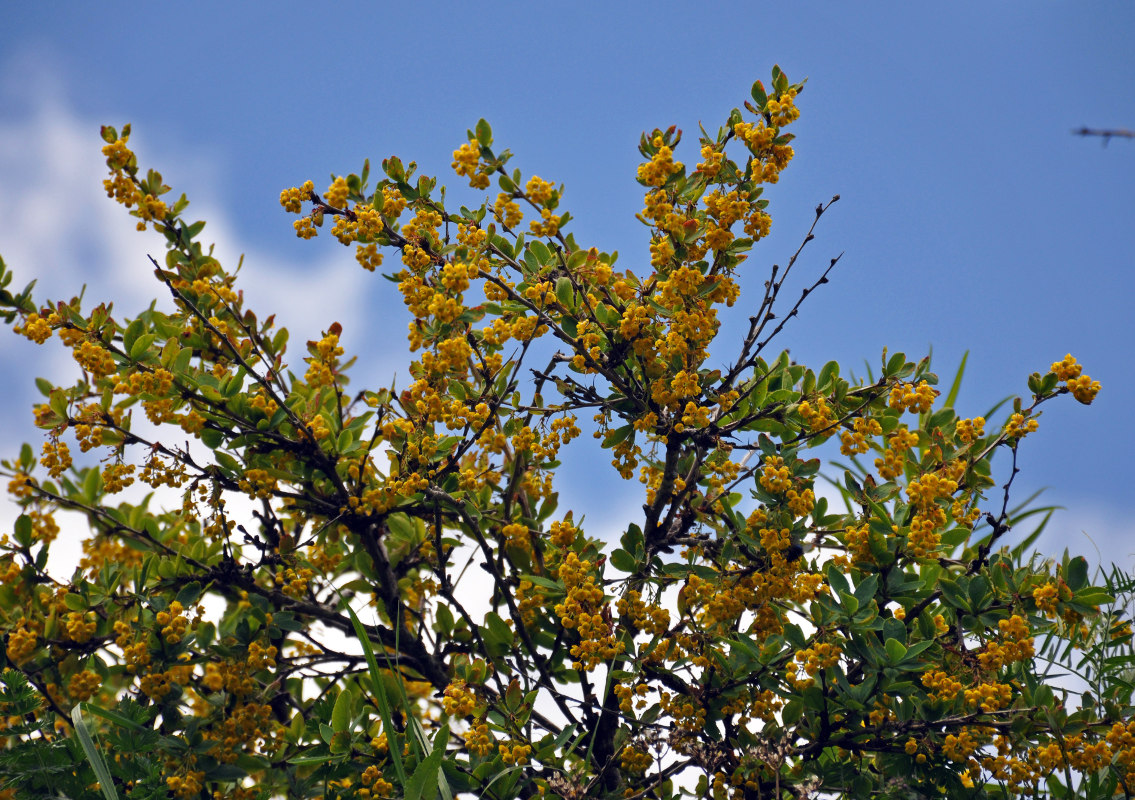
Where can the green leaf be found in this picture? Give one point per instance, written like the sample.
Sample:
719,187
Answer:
954,594
341,713
1076,573
894,364
23,530
760,97
617,436
141,346
112,716
896,650
956,385
836,579
106,783
131,334
623,561
484,133
379,692
227,462
498,629
445,619
428,777
829,371
541,251
225,772
565,292
866,588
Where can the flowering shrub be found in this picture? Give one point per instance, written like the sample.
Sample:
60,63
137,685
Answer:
299,621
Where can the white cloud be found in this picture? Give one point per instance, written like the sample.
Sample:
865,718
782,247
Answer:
1103,534
58,227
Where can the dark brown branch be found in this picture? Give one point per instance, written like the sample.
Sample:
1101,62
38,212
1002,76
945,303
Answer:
1106,134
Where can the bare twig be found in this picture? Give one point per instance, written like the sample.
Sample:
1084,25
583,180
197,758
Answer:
1107,134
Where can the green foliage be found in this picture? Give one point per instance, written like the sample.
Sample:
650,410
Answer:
374,593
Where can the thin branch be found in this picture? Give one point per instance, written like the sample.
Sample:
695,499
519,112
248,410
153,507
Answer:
1106,134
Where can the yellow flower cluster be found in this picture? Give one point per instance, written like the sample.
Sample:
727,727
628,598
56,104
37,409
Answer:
258,483
582,610
123,187
775,477
187,785
1018,427
530,599
516,535
375,783
890,466
261,657
969,430
89,424
81,627
800,503
661,165
634,760
988,697
248,728
712,159
539,191
173,622
466,162
1082,387
813,659
925,490
294,582
647,617
687,712
506,211
513,752
21,642
82,686
942,687
1016,644
769,157
855,441
156,472
959,746
36,328
95,359
293,198
905,397
56,457
336,194
857,541
818,417
368,256
135,655
479,740
1046,596
116,477
460,701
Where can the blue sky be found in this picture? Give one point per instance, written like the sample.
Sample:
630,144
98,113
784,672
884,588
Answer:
971,219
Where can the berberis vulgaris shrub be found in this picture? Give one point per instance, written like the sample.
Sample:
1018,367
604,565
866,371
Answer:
370,592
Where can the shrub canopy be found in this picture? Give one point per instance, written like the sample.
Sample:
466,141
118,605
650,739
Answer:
330,592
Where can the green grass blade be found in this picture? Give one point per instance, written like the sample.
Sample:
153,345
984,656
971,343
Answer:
952,395
113,716
106,783
393,745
